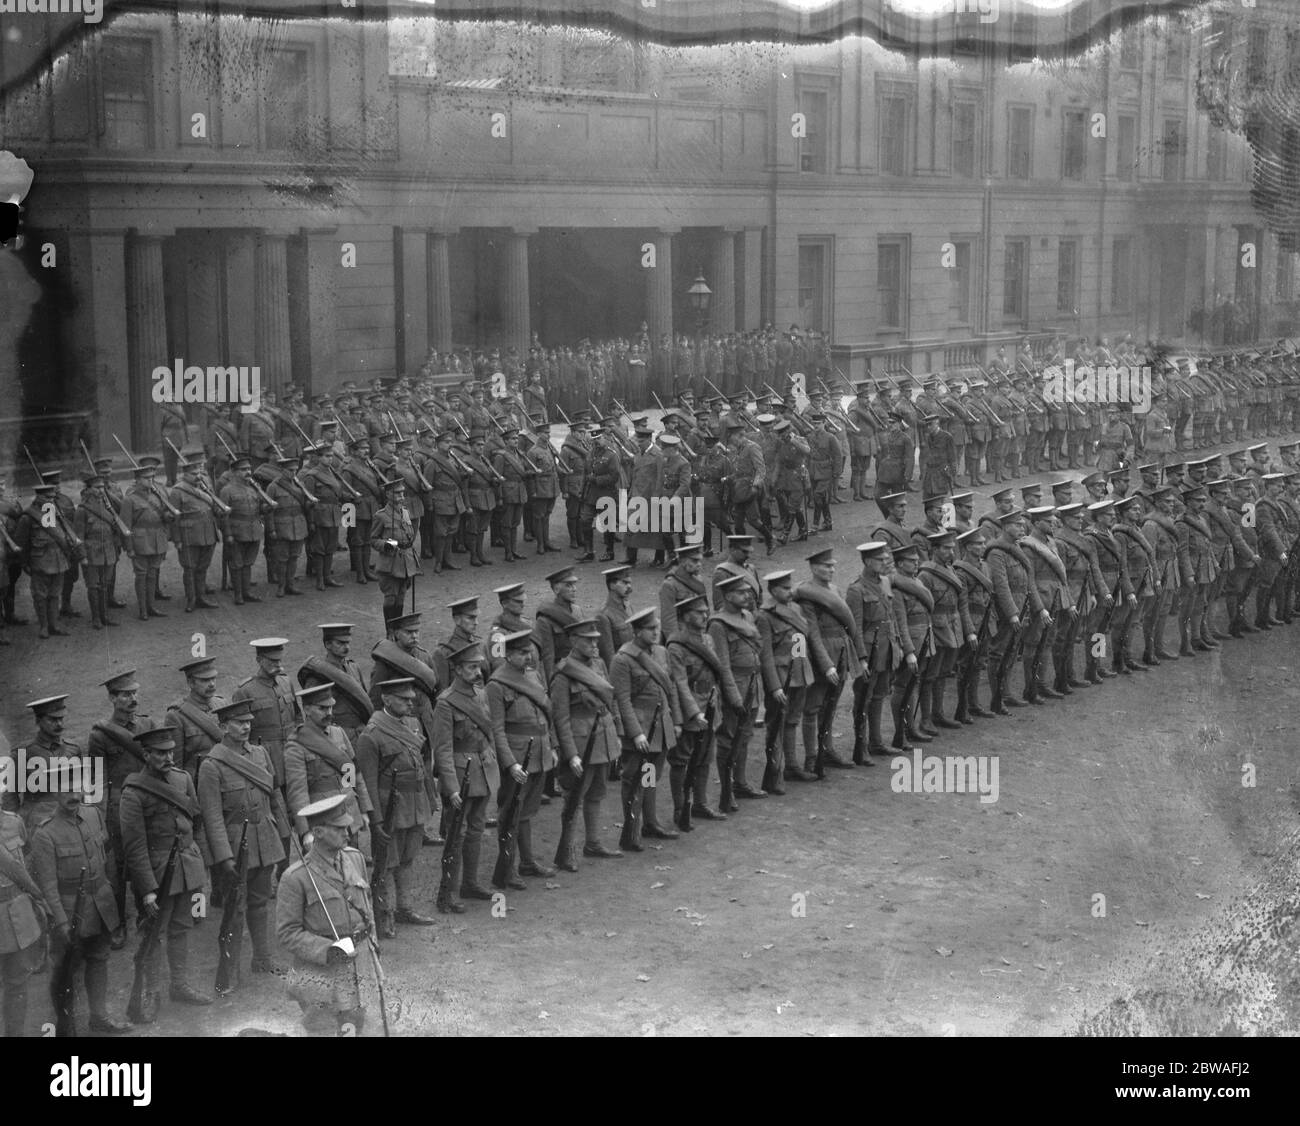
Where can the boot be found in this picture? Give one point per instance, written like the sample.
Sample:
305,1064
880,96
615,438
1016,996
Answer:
681,802
246,579
899,742
264,961
141,601
875,737
187,581
937,718
924,717
182,991
630,839
151,592
699,797
97,996
92,597
565,859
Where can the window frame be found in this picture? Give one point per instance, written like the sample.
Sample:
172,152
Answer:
1018,315
1067,115
1028,110
901,243
153,105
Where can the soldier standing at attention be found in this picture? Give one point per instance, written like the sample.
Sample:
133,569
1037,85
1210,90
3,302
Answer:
47,553
390,754
694,666
237,788
467,761
737,643
242,528
324,915
521,724
66,844
20,925
195,532
392,535
510,467
650,712
194,716
446,501
615,631
321,480
352,703
586,717
44,755
270,693
115,742
96,526
160,807
360,473
681,582
554,618
952,625
464,621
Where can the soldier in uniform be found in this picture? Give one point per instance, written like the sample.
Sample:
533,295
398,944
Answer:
586,718
681,582
324,484
324,915
1233,555
195,532
738,646
543,485
862,442
320,762
359,473
236,788
97,526
1079,552
352,703
21,923
868,599
1015,599
521,723
1162,534
1274,548
47,553
11,561
787,673
910,603
242,527
892,458
464,621
790,480
951,624
270,692
47,758
511,468
1199,570
391,757
605,477
747,477
1116,583
446,499
115,743
392,535
554,618
287,525
480,494
1140,561
468,764
837,650
693,664
612,621
159,810
979,596
941,459
650,713
194,716
1049,575
68,847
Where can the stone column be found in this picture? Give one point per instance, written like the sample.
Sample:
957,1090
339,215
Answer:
752,283
271,311
438,289
146,333
97,332
659,288
723,305
514,291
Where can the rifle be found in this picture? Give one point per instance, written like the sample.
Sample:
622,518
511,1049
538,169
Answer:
635,807
573,797
701,754
966,674
912,699
143,1004
453,829
509,821
379,848
842,412
74,542
153,488
1104,625
62,988
251,480
1015,644
220,505
230,909
1042,638
121,526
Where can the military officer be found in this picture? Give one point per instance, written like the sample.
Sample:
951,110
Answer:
510,466
47,553
21,923
979,594
270,692
447,501
391,756
352,703
242,527
554,617
650,713
287,524
681,582
694,666
159,810
1162,534
738,646
360,473
392,535
324,916
521,723
194,716
480,494
868,600
321,480
615,631
951,624
68,854
195,532
464,621
787,673
1015,599
468,764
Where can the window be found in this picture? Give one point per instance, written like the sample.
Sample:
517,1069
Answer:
1130,49
1216,155
1175,52
813,104
1020,142
1074,147
1067,277
1015,279
1172,146
959,294
1024,35
964,132
1121,265
893,135
285,100
127,68
1125,147
814,254
1218,41
1257,57
891,283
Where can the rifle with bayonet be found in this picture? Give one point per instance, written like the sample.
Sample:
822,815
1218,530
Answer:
573,796
251,479
231,910
204,487
143,1006
73,548
509,822
632,830
153,487
117,521
454,823
63,989
969,667
699,755
1015,643
1046,631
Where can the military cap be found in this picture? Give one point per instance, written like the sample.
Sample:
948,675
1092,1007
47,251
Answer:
51,476
890,498
643,431
782,426
1174,467
153,461
162,738
405,621
1282,447
1162,492
123,682
643,619
969,534
1118,474
90,476
1123,502
270,646
907,551
466,653
510,432
940,539
464,605
318,695
964,498
107,462
727,583
1009,517
1073,509
666,439
586,627
48,705
330,630
872,548
688,549
393,483
1058,486
1149,468
519,639
42,490
931,502
563,575
765,419
826,555
1197,493
1100,506
1001,493
236,709
510,590
288,459
539,424
242,463
778,578
1039,512
694,602
1272,476
136,471
740,541
202,666
1218,483
1249,449
402,686
327,811
1029,490
357,441
1093,479
613,574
